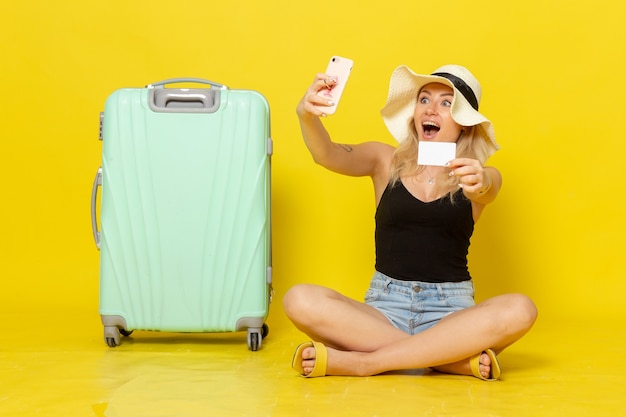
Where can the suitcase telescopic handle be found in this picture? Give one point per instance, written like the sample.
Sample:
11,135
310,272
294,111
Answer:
97,182
161,84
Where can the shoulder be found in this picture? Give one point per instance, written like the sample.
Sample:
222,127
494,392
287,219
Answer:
382,154
376,155
380,149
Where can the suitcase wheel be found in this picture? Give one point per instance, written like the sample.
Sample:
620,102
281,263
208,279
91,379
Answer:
112,335
253,341
256,335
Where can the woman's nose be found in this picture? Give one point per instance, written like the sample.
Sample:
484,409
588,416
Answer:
430,109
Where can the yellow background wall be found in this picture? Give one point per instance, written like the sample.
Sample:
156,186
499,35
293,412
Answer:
552,77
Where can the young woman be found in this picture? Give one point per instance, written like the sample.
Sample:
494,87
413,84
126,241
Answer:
419,311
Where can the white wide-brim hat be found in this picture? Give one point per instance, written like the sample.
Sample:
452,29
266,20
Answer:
405,85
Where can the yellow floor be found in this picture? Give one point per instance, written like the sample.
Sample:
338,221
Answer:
60,366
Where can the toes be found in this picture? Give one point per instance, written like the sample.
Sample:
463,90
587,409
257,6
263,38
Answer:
308,365
308,360
485,365
485,360
308,353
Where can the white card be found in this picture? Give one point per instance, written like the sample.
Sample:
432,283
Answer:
435,153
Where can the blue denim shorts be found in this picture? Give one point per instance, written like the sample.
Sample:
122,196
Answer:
414,306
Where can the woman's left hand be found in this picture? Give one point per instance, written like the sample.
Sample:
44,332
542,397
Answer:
473,177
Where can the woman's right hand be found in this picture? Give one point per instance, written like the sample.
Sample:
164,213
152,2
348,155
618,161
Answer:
313,103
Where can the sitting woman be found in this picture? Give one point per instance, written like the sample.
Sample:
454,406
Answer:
419,311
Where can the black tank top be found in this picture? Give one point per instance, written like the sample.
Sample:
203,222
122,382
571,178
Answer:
417,241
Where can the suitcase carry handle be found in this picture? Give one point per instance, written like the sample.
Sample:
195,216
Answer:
94,196
161,84
187,100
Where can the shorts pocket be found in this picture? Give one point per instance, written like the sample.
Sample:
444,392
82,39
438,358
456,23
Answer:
372,295
460,301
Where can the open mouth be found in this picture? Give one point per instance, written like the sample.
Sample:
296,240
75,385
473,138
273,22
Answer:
430,129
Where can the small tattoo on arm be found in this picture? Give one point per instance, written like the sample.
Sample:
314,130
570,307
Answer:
347,148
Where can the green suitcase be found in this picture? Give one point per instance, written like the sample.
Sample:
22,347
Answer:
184,194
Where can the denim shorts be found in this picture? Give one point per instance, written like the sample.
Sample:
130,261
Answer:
414,306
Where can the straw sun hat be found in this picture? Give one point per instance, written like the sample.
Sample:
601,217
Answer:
405,85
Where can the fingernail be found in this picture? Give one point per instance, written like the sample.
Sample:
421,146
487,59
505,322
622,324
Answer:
451,173
331,103
447,164
460,185
323,114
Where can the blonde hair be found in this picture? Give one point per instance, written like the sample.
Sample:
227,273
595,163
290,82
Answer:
472,143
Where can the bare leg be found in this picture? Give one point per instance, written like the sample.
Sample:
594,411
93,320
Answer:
338,321
495,323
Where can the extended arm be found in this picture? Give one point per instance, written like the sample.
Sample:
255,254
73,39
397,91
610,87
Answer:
365,159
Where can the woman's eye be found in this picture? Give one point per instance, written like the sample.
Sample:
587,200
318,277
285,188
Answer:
423,100
447,103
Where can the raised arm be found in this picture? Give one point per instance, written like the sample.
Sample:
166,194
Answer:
369,158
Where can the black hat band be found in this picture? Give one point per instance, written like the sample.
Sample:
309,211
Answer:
460,85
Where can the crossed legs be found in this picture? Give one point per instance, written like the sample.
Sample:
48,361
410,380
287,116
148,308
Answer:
362,342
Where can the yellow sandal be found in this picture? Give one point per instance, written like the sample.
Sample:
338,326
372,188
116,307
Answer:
495,366
321,359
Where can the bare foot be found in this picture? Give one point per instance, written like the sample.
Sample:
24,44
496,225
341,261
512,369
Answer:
463,367
339,362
